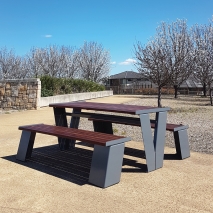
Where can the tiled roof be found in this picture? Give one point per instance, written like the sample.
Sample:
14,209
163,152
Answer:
126,74
191,82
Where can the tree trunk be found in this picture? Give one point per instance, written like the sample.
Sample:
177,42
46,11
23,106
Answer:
159,97
210,91
204,89
176,91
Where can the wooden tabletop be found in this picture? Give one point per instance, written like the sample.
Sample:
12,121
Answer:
120,108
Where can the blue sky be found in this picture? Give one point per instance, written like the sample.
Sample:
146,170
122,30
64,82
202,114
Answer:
116,24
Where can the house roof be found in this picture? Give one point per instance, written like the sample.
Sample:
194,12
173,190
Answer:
191,82
126,74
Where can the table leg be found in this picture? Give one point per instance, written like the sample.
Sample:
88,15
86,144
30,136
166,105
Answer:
74,123
148,142
159,138
103,126
61,120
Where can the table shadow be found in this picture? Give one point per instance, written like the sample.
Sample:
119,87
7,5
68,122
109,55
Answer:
74,165
141,154
136,167
70,165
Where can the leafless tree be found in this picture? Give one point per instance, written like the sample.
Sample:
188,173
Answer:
34,58
93,61
50,61
70,68
152,63
180,51
9,64
53,61
203,38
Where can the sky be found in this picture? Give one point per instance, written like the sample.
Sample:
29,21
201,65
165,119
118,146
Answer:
116,24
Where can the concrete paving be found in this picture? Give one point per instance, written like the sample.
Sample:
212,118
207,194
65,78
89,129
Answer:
54,181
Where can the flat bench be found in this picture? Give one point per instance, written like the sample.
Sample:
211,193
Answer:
103,123
107,156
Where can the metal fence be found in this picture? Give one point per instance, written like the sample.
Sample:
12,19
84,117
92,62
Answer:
148,90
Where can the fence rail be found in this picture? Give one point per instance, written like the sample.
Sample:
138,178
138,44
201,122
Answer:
147,90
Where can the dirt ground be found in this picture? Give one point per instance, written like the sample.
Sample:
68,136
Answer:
55,181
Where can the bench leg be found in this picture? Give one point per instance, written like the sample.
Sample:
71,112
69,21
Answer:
26,145
106,165
104,127
182,143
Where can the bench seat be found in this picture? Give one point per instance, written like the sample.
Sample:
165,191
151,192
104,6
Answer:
107,155
104,124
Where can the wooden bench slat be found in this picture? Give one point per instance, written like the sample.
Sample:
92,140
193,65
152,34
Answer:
136,122
98,138
124,120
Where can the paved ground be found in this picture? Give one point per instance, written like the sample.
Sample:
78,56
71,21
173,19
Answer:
55,181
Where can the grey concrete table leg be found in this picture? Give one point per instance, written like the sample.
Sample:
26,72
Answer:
182,144
26,145
106,165
159,138
148,141
74,123
104,127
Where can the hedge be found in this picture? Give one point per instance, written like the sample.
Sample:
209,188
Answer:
51,86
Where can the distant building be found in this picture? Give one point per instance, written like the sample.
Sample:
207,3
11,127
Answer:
126,78
130,79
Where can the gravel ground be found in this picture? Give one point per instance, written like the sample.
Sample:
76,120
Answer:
194,111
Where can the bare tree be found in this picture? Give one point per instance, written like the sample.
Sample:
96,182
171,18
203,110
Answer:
34,58
152,63
180,51
23,70
93,61
70,68
53,61
203,38
50,61
9,64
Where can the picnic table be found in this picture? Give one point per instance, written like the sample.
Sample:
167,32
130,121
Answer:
153,146
108,151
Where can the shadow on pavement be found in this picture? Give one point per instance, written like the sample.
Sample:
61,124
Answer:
74,165
71,165
141,154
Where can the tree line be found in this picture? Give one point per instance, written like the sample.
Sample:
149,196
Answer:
89,62
175,53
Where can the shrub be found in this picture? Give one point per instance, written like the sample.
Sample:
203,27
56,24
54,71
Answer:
57,86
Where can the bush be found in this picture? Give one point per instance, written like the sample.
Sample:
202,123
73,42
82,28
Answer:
58,86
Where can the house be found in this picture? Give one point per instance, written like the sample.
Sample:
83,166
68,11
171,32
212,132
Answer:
190,86
134,80
124,78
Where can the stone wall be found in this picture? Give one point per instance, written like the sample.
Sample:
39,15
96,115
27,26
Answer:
26,94
20,94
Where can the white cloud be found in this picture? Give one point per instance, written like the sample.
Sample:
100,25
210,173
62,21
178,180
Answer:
113,62
48,36
128,61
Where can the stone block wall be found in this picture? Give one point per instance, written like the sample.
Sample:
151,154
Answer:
20,94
